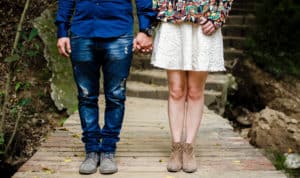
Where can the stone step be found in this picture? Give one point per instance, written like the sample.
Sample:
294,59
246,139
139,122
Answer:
141,61
215,81
243,4
235,30
241,11
214,100
240,20
234,42
232,53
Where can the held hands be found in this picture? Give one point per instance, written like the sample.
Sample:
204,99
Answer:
64,46
208,28
142,43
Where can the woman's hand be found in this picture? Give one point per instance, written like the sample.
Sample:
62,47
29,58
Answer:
208,28
142,43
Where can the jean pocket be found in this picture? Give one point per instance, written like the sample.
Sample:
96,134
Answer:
74,36
128,36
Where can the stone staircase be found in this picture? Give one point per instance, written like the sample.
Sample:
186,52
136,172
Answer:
149,82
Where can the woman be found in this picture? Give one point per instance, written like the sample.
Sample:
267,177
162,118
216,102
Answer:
188,44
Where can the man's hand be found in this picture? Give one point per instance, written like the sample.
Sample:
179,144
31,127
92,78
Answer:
64,46
142,42
208,28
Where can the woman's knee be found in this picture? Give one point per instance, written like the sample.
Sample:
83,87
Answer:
177,93
195,93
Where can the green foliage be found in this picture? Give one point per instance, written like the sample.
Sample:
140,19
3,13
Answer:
274,42
24,101
13,111
278,159
1,138
32,34
12,58
62,121
2,142
21,85
17,86
28,46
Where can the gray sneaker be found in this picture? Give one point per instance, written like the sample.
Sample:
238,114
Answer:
108,163
90,164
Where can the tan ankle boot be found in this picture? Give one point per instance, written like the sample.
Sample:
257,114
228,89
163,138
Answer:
189,163
175,161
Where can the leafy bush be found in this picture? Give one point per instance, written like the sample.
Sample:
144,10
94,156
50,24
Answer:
274,42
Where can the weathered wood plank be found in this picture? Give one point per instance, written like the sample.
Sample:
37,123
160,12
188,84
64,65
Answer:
145,174
145,147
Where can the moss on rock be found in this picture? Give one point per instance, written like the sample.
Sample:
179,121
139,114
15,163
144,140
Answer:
64,92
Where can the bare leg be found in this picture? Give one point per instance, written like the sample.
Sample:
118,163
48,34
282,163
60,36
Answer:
177,83
195,103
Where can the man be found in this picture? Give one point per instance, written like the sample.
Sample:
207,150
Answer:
101,36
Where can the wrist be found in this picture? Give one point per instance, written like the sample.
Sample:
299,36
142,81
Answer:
147,31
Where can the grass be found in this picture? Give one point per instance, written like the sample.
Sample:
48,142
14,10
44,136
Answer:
277,158
62,121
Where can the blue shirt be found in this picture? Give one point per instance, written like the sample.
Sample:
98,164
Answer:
101,18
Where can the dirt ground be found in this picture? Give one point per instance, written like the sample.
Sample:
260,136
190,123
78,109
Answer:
30,87
258,89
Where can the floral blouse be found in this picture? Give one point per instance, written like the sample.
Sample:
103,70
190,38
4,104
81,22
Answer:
177,11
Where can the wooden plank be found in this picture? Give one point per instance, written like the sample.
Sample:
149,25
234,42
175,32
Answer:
133,165
145,147
145,174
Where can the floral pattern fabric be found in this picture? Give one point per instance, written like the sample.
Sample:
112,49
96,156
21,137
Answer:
177,11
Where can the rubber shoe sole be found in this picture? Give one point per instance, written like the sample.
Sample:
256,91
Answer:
108,171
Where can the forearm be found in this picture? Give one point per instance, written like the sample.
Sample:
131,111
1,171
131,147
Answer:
146,15
218,15
64,14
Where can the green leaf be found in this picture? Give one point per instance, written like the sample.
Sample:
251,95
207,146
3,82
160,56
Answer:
32,53
18,86
37,46
24,37
24,102
2,142
1,138
12,58
62,121
13,111
32,34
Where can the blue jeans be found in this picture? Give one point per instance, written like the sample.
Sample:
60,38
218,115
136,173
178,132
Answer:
114,56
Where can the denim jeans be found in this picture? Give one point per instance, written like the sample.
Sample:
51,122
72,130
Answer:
114,56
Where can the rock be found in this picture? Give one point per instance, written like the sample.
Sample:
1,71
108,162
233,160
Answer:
292,161
288,105
243,116
63,88
244,120
245,132
274,130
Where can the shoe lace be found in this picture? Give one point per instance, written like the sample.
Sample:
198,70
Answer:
175,149
188,149
90,155
109,156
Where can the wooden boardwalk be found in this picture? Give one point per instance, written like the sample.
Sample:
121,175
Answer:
145,146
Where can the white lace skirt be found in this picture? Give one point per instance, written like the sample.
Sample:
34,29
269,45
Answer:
185,47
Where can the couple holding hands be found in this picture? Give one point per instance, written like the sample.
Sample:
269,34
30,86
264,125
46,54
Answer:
187,44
